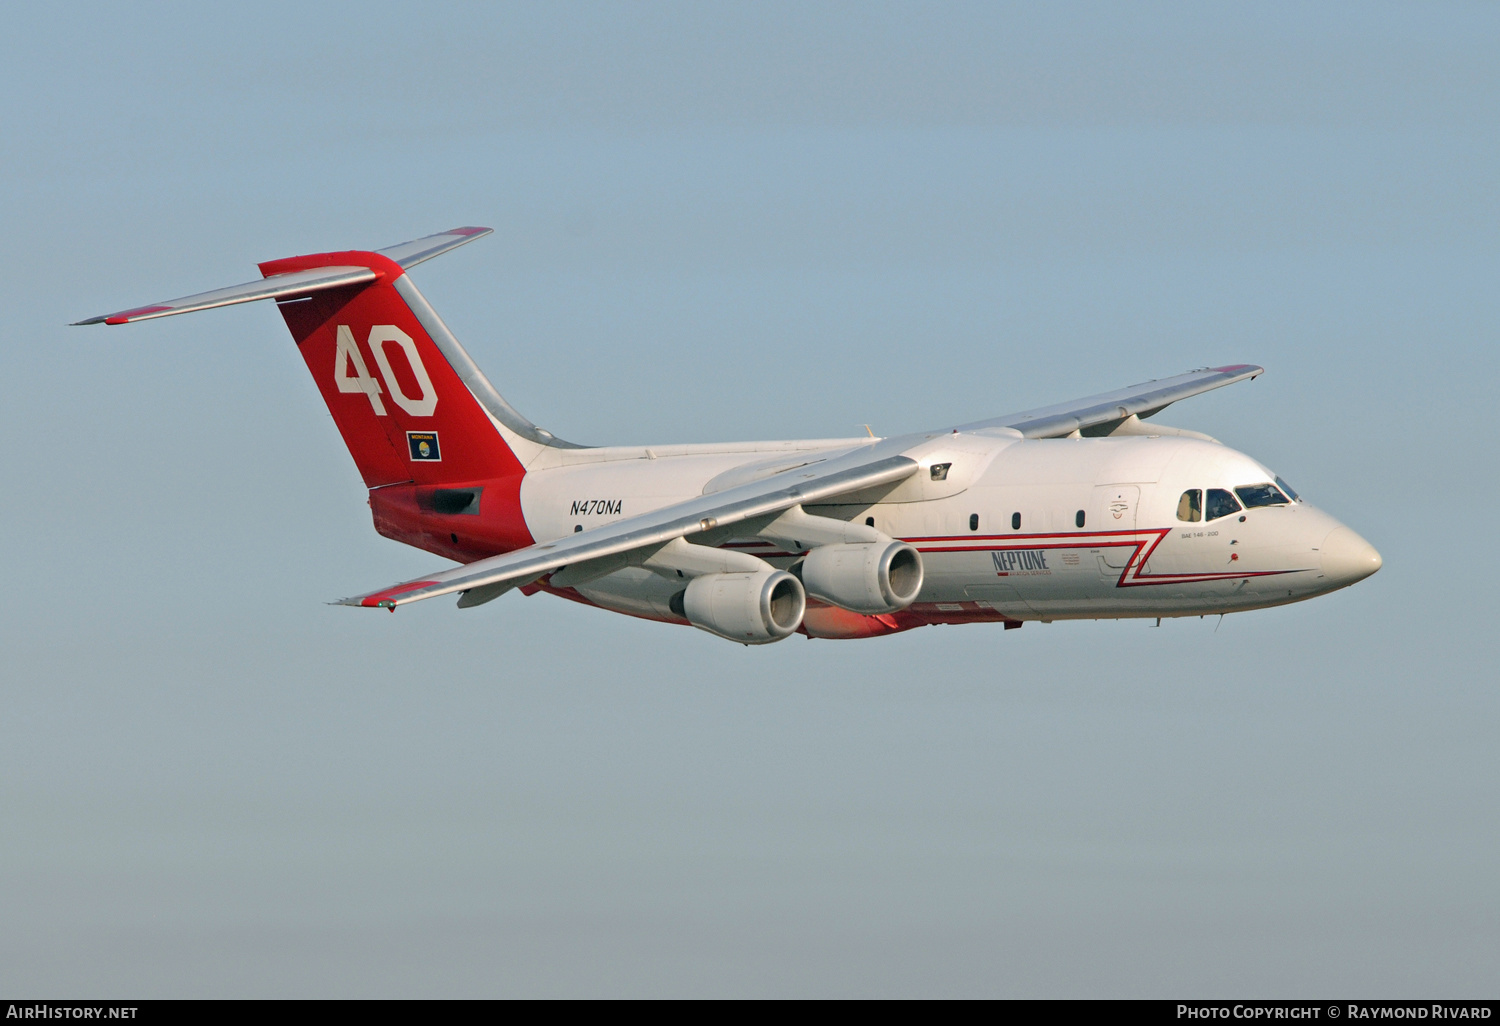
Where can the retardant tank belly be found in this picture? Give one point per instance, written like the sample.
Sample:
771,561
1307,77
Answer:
635,591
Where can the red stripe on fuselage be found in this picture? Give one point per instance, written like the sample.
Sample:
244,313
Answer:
1130,577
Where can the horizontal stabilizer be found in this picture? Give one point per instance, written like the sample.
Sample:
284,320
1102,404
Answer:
410,254
296,283
276,286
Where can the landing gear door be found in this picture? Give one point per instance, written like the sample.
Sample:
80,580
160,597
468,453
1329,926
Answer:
1115,510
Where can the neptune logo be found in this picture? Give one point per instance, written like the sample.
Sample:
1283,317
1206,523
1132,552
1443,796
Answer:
1020,561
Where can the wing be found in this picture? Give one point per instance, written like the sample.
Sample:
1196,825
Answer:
1114,407
866,467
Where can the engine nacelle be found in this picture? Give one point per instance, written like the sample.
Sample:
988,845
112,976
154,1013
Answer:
867,577
752,608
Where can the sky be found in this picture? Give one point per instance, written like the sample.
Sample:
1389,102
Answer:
726,222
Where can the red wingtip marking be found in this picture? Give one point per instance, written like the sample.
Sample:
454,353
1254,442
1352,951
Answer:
467,231
374,601
140,311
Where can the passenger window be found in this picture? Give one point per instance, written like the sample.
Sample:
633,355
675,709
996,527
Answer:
1078,518
1015,521
1286,488
973,521
1261,495
1190,506
1221,504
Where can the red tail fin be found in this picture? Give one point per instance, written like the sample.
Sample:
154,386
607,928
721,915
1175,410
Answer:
404,412
413,408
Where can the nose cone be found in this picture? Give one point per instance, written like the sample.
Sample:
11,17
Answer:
1347,557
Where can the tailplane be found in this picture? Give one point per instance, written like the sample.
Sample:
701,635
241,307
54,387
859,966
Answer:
409,402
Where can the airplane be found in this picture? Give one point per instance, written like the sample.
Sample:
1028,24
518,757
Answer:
1080,510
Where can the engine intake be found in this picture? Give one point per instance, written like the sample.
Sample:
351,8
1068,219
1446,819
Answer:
867,577
751,608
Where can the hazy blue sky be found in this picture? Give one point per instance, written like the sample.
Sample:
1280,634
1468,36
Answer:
729,222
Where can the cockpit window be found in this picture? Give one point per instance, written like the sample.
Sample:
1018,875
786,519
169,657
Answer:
1221,504
1261,495
1286,488
1190,506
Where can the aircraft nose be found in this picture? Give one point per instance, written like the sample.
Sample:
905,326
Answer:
1347,557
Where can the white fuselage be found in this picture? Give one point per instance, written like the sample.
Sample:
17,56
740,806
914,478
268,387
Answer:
1077,509
1012,529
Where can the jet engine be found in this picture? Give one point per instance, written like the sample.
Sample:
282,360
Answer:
865,577
752,608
